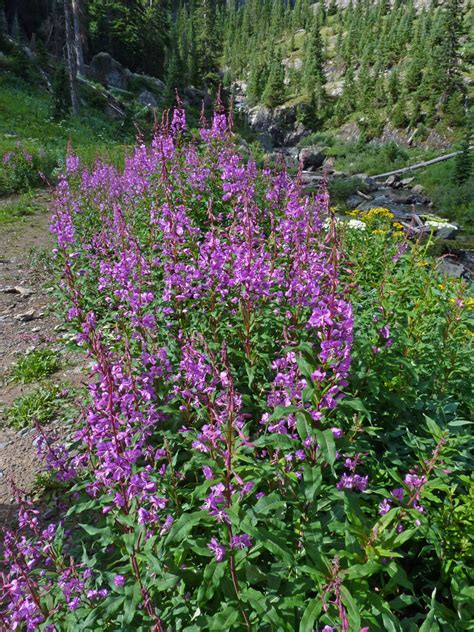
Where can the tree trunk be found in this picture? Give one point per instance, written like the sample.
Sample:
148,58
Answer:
76,12
57,48
71,57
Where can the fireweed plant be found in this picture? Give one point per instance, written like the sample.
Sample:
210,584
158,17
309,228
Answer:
218,478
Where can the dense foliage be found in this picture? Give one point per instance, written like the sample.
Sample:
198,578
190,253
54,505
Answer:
276,431
364,62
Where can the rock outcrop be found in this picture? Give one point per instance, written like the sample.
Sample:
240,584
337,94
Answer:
108,71
279,127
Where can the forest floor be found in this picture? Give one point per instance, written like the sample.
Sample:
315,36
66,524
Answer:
28,322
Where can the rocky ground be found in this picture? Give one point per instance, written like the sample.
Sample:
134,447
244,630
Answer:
28,321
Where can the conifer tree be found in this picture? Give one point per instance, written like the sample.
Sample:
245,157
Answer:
255,82
206,43
463,166
452,34
394,86
314,59
172,79
274,92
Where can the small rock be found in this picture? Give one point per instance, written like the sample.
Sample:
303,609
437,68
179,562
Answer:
392,180
452,269
148,99
353,201
446,232
18,289
406,182
370,185
25,317
418,188
311,157
35,330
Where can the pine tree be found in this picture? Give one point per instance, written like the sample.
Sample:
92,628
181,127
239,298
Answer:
274,92
346,102
255,81
314,60
463,166
206,43
172,80
398,115
394,86
452,34
414,71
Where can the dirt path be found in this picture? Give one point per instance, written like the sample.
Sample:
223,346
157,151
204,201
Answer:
27,321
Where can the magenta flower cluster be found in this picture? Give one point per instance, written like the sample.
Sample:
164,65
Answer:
191,280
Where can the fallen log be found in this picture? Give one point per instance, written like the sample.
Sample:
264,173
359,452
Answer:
419,165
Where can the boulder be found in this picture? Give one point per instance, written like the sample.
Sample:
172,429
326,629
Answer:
447,232
353,201
294,136
453,268
284,116
148,99
418,188
260,118
280,125
194,96
106,70
391,181
312,157
266,141
406,182
369,184
279,159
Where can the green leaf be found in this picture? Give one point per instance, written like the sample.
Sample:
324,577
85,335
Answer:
433,427
272,543
352,609
282,411
223,620
312,479
456,423
310,614
327,446
427,625
302,426
132,598
363,570
269,503
184,525
357,404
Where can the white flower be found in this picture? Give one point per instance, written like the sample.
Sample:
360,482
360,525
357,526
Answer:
357,224
438,225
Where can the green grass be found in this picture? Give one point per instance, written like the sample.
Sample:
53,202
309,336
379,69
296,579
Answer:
41,405
18,207
449,199
36,365
26,125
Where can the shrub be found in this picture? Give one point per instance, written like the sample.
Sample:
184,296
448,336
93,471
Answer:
22,169
232,471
